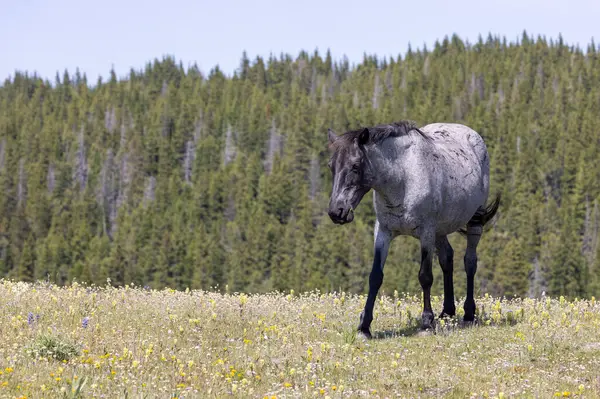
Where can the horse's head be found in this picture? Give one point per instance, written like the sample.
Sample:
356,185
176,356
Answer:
351,173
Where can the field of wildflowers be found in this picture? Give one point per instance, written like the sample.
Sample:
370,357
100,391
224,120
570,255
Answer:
132,342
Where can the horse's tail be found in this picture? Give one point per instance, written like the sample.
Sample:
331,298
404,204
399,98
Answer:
483,215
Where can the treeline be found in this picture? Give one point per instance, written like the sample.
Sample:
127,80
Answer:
170,177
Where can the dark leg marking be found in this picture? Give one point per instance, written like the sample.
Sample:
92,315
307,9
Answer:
473,236
426,280
446,259
382,242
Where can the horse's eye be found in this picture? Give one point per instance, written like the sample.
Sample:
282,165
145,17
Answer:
355,168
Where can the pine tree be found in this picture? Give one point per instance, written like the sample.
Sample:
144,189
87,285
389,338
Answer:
26,268
174,177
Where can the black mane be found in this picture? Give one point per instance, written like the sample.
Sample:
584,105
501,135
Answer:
381,132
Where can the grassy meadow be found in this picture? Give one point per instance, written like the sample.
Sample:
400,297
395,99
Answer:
132,342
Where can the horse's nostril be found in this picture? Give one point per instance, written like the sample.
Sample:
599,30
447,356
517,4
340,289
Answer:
341,212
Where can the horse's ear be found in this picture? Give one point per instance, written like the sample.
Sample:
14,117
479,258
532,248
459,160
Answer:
331,135
363,136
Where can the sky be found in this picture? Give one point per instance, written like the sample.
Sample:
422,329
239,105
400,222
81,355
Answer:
50,36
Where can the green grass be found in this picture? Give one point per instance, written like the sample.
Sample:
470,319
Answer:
162,344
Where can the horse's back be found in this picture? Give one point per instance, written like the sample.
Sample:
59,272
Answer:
457,141
456,133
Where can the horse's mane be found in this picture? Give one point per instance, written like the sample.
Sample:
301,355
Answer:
381,132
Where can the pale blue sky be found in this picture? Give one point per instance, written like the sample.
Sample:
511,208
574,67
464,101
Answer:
50,36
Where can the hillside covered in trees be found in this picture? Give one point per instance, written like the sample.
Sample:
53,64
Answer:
172,177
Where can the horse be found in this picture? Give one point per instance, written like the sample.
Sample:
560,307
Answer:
427,183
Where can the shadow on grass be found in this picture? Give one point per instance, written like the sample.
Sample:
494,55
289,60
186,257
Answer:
448,327
408,331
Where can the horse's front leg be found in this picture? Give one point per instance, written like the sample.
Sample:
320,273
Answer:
382,245
426,277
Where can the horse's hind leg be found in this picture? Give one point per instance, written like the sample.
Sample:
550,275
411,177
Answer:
426,277
473,235
446,259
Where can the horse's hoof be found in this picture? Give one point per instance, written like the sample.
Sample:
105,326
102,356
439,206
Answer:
467,324
470,309
364,334
427,320
446,315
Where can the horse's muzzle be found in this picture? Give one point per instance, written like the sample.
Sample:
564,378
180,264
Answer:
341,215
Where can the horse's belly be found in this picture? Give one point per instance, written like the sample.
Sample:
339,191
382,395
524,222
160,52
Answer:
455,212
450,226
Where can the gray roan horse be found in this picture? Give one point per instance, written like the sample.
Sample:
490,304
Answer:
427,183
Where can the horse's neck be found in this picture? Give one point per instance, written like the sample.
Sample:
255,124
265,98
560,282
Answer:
389,170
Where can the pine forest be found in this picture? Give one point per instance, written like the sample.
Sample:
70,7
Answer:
174,177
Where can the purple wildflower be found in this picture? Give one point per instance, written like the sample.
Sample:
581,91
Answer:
30,318
85,322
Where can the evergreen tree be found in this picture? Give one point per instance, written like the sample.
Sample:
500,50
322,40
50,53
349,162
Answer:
174,177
